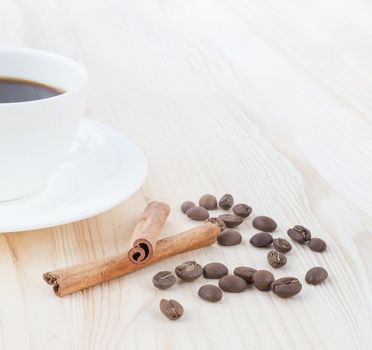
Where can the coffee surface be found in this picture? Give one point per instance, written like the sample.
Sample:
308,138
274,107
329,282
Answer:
19,90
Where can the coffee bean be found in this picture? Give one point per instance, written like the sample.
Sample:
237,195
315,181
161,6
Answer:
242,210
189,271
282,245
262,280
276,259
232,284
210,293
231,220
264,223
226,201
185,206
299,234
218,222
317,245
172,309
286,287
245,272
164,280
229,237
261,239
316,275
215,270
198,213
208,201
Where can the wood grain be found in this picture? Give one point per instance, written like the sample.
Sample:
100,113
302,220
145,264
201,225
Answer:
267,100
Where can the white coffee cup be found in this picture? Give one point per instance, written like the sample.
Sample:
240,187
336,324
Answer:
35,135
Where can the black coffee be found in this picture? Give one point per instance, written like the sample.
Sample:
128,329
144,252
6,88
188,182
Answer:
19,90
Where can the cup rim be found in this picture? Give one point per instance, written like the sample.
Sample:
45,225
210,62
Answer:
81,67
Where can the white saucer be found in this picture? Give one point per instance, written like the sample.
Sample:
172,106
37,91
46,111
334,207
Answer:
102,169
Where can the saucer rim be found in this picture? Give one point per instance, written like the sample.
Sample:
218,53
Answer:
118,198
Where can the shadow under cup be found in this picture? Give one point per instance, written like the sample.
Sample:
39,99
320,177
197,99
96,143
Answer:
35,135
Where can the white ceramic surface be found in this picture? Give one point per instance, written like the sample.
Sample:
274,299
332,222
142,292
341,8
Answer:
102,169
35,135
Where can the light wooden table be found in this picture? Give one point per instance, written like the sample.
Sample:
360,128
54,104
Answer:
269,100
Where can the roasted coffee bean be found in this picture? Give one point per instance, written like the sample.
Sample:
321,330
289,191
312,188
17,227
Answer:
215,270
286,287
264,223
186,206
164,280
172,309
208,201
210,293
189,271
262,280
299,234
231,220
276,259
229,237
317,245
232,284
218,222
245,272
242,210
282,245
226,201
316,275
198,213
261,239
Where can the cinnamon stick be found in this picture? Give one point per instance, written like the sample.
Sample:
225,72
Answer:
146,232
74,278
